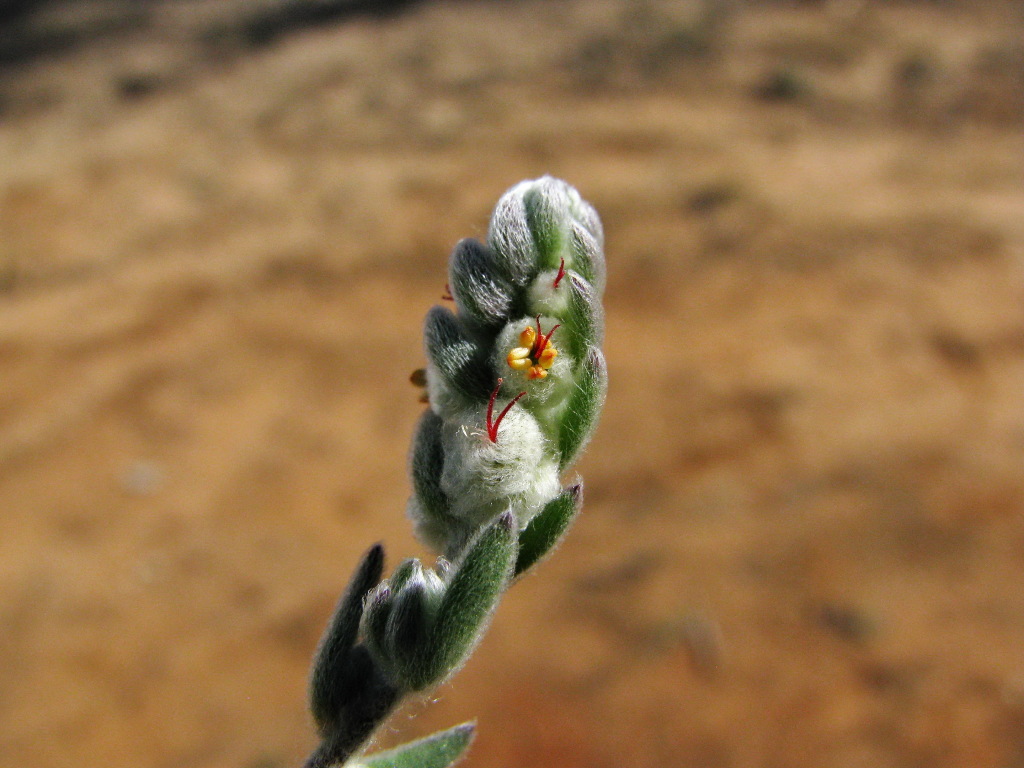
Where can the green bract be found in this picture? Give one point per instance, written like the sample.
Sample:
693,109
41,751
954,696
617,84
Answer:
515,381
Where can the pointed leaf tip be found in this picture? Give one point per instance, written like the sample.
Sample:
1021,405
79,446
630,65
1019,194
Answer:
375,559
439,750
331,665
544,532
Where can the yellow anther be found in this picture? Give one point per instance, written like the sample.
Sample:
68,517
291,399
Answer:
527,337
519,358
536,372
547,357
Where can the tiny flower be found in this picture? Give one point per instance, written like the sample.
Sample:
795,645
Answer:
535,354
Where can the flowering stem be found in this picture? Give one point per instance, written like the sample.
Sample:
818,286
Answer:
408,633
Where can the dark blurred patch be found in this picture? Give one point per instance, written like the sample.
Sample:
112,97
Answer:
931,92
11,10
8,270
637,568
702,638
712,197
889,678
270,21
308,270
30,29
34,28
649,42
296,630
781,85
995,93
136,85
914,70
956,350
916,80
266,761
846,622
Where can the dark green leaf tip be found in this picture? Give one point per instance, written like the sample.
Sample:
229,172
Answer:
454,356
506,520
482,293
331,663
544,531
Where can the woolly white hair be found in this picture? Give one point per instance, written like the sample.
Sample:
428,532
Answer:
483,478
543,298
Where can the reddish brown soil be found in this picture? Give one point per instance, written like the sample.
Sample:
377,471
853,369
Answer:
803,544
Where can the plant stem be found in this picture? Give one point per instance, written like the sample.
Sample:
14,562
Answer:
338,748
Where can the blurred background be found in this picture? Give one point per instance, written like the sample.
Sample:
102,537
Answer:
221,223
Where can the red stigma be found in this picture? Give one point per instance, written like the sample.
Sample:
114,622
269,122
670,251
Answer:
447,295
560,275
541,342
493,424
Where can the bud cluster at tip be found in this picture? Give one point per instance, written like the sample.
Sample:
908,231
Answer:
515,375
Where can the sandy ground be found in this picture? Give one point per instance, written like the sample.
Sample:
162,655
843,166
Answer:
803,542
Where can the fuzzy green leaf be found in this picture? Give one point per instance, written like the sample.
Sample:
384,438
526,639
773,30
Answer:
510,238
369,697
587,257
376,613
429,509
473,592
545,530
330,667
426,464
584,318
482,293
583,407
547,213
410,568
455,356
585,215
439,750
407,630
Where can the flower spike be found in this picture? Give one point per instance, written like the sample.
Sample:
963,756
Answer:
492,508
